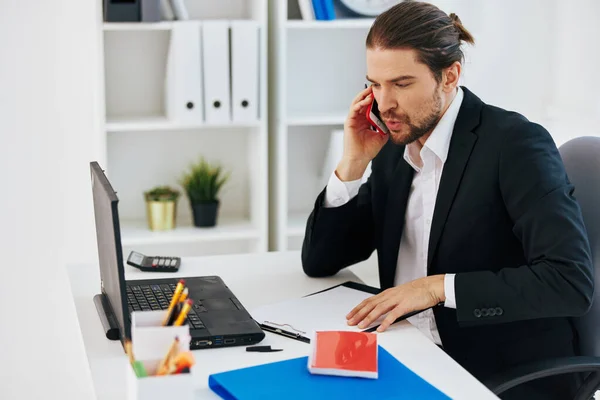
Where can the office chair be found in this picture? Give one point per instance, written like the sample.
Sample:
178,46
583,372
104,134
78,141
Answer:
581,157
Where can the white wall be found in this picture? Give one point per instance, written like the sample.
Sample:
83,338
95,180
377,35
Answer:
82,113
537,57
46,80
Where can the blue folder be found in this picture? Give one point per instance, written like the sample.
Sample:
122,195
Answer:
290,379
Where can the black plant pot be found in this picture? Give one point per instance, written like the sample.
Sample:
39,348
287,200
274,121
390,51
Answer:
205,214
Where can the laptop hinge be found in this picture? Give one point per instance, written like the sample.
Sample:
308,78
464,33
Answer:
107,317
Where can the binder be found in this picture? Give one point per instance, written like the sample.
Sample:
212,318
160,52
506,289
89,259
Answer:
319,10
215,57
290,379
306,10
244,70
183,91
328,9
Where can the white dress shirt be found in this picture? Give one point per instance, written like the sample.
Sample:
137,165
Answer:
428,163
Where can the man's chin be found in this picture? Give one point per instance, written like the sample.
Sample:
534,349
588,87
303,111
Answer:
400,138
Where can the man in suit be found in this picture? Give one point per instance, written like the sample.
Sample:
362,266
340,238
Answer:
468,206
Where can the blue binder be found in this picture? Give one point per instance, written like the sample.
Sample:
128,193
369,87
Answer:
319,9
290,379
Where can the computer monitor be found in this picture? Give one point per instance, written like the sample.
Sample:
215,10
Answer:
110,253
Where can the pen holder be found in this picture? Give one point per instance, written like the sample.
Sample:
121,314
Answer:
153,387
150,339
150,343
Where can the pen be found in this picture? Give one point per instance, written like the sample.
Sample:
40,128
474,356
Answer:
183,314
174,301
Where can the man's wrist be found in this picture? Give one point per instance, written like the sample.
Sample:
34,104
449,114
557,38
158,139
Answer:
351,170
436,287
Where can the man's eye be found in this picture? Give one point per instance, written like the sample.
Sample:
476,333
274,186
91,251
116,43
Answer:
402,85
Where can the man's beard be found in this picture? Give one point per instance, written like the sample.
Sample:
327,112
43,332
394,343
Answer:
416,132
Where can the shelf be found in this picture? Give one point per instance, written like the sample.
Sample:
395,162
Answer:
350,23
296,224
137,26
163,124
136,232
317,119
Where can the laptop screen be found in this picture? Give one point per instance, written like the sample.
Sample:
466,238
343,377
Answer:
110,253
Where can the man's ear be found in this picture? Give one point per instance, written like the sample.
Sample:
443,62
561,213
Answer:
450,77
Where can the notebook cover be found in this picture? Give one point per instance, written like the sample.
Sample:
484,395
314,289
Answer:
290,379
344,353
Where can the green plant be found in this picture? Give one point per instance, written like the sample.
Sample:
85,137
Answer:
161,193
203,182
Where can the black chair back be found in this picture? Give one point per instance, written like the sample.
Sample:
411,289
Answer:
581,157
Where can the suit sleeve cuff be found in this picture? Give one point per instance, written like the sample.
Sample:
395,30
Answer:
339,193
449,291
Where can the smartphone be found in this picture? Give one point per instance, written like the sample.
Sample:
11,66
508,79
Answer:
375,120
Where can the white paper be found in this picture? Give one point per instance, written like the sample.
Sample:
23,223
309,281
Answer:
322,311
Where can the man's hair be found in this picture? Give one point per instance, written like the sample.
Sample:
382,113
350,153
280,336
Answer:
434,35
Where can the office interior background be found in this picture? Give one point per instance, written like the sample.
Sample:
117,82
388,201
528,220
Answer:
75,90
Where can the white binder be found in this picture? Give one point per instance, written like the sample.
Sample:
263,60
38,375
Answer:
217,92
183,89
244,71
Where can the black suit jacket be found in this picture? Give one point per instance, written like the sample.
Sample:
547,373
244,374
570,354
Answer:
505,221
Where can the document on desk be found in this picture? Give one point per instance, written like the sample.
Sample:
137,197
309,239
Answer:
299,318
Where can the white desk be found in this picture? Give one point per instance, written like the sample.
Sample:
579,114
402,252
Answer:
256,280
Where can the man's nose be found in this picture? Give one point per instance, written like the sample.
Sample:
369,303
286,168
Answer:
386,102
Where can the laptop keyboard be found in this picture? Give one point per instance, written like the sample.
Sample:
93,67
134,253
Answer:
158,297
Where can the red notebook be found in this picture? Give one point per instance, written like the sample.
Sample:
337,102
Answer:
344,353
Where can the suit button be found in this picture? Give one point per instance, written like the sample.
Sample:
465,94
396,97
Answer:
492,312
485,312
499,311
477,313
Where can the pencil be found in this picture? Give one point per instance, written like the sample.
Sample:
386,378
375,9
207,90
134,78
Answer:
183,314
174,301
183,296
162,366
128,351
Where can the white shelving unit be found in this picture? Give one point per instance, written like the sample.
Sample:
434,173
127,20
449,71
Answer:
317,68
144,148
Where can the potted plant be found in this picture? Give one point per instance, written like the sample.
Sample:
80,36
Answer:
202,184
161,207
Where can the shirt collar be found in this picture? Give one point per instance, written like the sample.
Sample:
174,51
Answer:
439,140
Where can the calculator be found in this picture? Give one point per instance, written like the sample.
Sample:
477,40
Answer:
153,263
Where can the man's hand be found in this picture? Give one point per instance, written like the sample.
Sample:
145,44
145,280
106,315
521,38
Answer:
361,144
417,295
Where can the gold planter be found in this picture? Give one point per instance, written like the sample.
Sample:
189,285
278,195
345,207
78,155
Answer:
161,215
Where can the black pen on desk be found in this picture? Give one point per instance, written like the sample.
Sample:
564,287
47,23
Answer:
262,349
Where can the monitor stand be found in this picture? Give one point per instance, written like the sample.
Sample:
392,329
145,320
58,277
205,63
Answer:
107,317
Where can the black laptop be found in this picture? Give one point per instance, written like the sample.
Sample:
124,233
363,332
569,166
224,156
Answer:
217,318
